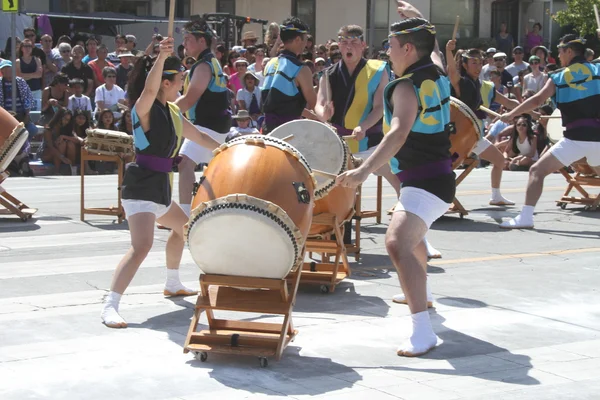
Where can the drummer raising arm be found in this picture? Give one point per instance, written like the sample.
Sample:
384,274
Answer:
576,91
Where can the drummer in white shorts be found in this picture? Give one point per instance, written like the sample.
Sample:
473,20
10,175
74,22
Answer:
205,100
578,102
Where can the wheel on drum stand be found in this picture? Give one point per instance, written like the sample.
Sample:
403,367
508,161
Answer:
324,289
201,356
264,363
562,205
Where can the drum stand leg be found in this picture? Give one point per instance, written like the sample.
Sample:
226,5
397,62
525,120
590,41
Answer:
327,274
261,339
457,207
13,206
592,202
359,215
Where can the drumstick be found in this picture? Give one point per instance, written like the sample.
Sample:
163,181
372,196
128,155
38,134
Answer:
550,117
349,137
456,27
324,174
492,113
597,16
327,94
171,17
285,139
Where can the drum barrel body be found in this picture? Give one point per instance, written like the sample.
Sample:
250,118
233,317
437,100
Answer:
466,133
12,137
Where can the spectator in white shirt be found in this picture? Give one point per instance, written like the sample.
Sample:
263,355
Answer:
64,49
249,97
109,95
518,65
78,101
489,66
535,80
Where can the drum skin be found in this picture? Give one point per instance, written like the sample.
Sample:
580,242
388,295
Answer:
8,123
12,137
262,171
339,201
467,131
555,130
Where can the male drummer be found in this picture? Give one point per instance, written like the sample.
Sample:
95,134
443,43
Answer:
416,119
205,100
288,86
576,91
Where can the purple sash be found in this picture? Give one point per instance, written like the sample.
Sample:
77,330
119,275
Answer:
590,122
155,163
426,171
278,120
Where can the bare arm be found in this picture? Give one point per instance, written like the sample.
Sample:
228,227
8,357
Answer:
196,88
37,74
453,73
533,102
194,134
505,101
304,80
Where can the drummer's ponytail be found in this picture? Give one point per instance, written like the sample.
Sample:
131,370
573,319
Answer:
141,68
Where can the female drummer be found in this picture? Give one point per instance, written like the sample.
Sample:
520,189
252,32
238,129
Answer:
158,129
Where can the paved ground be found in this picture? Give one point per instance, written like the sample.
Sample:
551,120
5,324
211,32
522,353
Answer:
519,311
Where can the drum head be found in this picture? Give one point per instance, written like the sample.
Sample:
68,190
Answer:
554,129
263,240
11,146
320,145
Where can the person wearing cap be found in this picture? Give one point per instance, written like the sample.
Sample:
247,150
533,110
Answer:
489,66
518,64
288,87
576,91
125,66
249,39
248,98
205,99
474,92
235,80
131,43
535,80
500,63
243,121
113,56
24,96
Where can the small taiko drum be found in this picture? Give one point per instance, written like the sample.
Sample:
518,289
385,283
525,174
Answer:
326,151
252,209
107,142
465,132
555,130
12,137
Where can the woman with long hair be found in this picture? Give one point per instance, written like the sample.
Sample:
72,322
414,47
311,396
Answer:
125,123
106,120
58,145
153,86
522,151
29,67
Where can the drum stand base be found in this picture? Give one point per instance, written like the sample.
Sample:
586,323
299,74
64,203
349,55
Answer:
359,215
575,182
111,211
13,206
457,207
247,295
325,273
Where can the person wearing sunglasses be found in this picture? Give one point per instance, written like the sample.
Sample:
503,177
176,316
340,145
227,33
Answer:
109,95
522,150
576,91
518,64
536,79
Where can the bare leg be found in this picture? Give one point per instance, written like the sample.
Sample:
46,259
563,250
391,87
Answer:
538,172
386,172
493,155
175,219
187,178
404,242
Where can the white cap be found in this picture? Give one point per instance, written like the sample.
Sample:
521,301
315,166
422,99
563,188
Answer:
500,55
491,50
320,59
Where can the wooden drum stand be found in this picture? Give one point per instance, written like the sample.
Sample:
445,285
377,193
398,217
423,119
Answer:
457,207
359,215
584,176
13,206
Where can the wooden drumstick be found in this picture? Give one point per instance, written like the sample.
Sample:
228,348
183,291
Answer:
550,117
285,139
349,137
171,18
597,16
488,111
324,174
456,27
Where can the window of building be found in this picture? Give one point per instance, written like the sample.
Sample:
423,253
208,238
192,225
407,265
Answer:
444,18
182,9
140,8
226,6
305,10
378,22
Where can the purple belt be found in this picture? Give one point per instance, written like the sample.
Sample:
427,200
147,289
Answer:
156,164
589,122
426,171
341,131
272,120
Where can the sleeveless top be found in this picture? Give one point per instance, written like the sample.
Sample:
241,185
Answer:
163,139
212,109
525,147
30,68
424,161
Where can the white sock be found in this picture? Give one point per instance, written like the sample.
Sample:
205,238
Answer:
432,252
173,276
496,193
110,311
422,339
187,209
174,285
401,297
521,221
527,213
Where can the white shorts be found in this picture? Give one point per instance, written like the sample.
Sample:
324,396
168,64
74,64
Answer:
482,146
133,207
197,153
365,154
568,151
423,204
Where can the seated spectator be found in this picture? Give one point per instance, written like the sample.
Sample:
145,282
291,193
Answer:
243,122
496,78
24,98
125,124
54,96
30,68
535,80
124,68
113,57
99,64
76,69
106,120
522,151
589,55
78,101
235,80
249,97
335,57
64,49
59,143
131,43
80,127
109,95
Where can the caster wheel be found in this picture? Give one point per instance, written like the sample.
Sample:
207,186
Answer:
562,205
462,216
587,208
202,356
263,362
324,289
24,219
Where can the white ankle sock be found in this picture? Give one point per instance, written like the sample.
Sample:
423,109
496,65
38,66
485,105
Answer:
422,339
187,209
432,252
173,276
496,193
527,213
401,297
174,285
110,311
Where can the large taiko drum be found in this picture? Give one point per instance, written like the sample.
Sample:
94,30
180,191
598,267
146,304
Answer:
555,130
252,209
12,137
326,151
465,134
107,142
